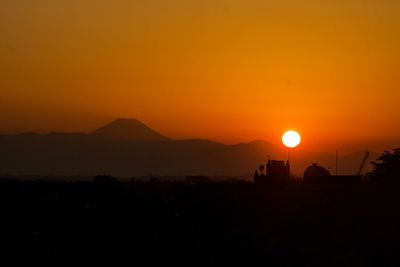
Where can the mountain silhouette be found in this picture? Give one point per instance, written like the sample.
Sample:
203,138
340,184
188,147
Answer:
127,147
129,130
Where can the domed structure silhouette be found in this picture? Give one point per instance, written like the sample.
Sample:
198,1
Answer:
315,170
316,174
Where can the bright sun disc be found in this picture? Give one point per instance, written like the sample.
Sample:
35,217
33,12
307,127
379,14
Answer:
291,139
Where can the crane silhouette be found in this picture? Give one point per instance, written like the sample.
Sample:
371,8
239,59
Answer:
363,163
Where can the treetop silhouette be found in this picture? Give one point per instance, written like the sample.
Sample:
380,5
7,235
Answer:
387,167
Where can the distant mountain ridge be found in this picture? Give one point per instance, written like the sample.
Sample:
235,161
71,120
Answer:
127,147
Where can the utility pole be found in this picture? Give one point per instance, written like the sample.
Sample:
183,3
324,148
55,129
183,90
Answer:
337,162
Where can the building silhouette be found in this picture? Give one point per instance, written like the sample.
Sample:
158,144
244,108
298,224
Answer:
277,172
318,175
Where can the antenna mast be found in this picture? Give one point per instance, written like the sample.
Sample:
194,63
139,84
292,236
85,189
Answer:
337,162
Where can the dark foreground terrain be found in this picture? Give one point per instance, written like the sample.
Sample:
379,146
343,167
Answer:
221,224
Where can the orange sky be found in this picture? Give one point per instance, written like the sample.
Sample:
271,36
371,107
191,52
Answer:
227,70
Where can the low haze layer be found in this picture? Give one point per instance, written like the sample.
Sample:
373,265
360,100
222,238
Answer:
127,147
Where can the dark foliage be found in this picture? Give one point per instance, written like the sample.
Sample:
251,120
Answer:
387,167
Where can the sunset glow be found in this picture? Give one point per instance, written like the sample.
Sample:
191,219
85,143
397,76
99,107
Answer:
291,139
230,71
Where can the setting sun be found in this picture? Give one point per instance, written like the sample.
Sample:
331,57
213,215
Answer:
291,139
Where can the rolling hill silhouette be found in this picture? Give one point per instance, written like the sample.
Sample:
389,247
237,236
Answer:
127,147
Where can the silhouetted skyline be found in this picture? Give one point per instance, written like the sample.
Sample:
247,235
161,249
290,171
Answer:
199,132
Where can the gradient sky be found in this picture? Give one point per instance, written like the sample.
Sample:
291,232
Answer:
227,70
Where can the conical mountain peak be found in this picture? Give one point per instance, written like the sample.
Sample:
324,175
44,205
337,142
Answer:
129,129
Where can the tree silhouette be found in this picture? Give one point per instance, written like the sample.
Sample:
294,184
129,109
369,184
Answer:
387,167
